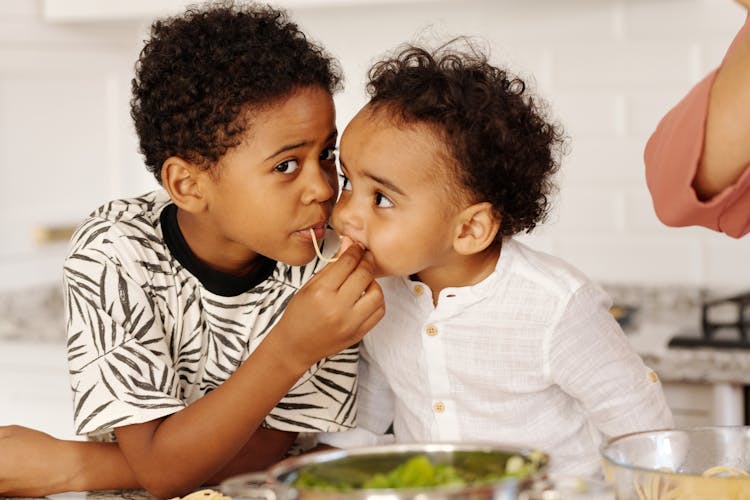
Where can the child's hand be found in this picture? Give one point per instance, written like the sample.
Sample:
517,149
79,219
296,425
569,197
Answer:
333,310
32,463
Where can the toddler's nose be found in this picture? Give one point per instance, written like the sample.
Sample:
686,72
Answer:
344,219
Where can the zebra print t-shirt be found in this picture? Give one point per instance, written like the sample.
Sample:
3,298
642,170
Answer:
147,337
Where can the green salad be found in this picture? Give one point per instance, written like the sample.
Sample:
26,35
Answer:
420,472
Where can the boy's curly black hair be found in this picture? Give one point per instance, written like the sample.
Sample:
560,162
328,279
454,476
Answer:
199,73
503,148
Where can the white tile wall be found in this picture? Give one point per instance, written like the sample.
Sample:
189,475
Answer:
609,69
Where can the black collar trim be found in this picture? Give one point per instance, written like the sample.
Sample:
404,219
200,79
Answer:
214,281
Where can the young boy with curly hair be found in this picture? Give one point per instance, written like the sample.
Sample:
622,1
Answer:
484,338
198,339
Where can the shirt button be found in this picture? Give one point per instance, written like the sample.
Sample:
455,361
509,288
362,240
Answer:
653,376
439,407
418,290
431,330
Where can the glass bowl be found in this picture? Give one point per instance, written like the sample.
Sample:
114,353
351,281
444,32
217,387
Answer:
698,463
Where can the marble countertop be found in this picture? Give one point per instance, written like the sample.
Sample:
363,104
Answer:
663,313
36,315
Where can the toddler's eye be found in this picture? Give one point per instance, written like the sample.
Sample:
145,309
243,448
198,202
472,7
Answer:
287,167
328,154
382,201
345,184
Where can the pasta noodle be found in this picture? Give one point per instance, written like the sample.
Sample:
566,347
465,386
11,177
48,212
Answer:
716,484
204,495
723,471
317,248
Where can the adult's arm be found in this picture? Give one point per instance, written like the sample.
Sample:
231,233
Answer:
697,159
726,152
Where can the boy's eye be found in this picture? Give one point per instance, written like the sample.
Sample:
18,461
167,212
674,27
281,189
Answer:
382,201
287,167
328,154
345,184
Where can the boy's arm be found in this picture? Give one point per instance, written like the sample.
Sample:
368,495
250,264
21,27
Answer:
175,454
33,463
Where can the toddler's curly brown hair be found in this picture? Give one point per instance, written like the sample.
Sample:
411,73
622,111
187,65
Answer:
503,148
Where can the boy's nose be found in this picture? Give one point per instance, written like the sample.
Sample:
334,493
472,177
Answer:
319,187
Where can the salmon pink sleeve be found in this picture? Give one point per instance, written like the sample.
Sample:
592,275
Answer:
672,155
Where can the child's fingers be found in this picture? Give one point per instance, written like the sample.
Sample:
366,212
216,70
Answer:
370,306
333,275
346,242
357,283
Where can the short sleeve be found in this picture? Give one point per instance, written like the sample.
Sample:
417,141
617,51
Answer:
120,371
375,409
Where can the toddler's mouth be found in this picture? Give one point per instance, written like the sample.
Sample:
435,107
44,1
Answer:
344,243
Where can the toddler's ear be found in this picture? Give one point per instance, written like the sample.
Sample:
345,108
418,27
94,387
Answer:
476,229
182,180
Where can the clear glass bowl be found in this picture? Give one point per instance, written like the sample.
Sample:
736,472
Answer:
700,463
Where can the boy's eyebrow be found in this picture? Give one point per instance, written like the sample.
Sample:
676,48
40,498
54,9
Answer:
379,180
289,147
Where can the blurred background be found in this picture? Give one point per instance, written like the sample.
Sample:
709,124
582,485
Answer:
608,70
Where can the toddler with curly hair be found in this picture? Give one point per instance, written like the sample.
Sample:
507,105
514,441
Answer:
484,338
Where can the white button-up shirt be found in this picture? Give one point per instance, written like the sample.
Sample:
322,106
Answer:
529,357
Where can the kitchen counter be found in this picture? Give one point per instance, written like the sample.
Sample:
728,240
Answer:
663,313
694,364
36,316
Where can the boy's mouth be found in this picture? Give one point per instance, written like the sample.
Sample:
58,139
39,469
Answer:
316,230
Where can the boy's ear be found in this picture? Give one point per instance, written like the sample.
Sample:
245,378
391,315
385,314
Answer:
477,227
182,180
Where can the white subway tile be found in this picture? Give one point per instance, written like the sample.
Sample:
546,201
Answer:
727,261
552,20
601,64
693,19
590,210
604,160
590,114
664,260
645,109
641,220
